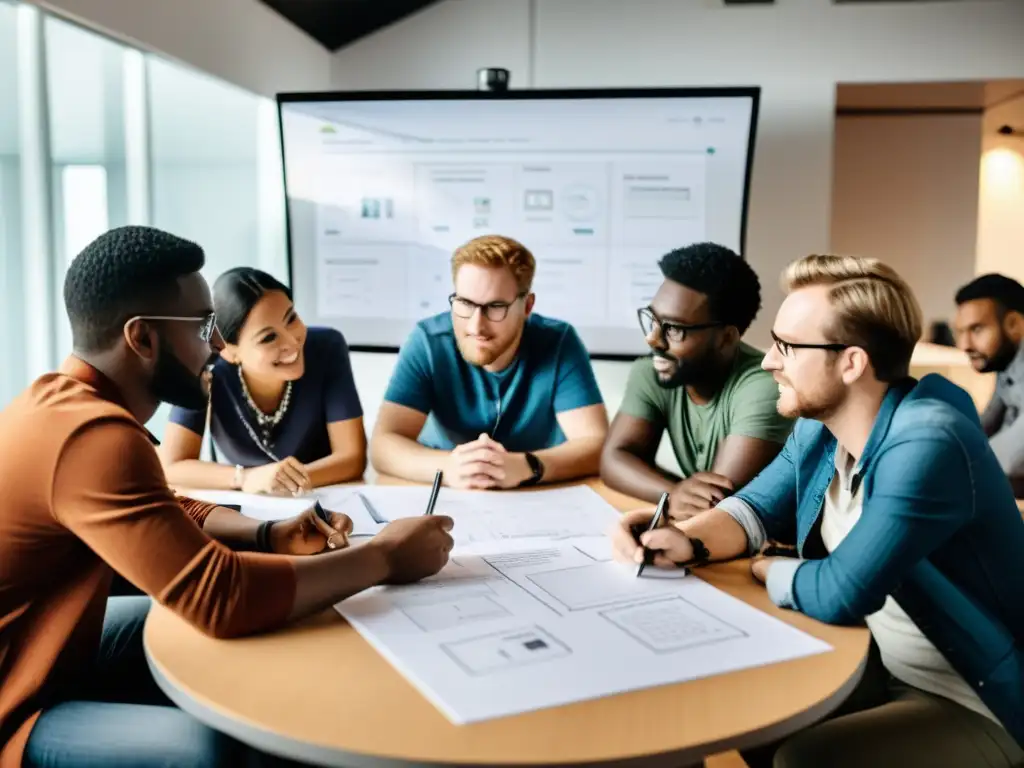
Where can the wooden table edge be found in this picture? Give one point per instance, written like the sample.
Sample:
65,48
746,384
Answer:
282,745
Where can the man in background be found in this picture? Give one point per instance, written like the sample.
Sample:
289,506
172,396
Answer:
491,393
990,328
701,383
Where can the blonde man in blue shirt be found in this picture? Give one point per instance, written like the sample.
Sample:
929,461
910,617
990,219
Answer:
903,519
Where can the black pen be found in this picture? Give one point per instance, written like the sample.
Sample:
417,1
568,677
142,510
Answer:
658,514
329,531
433,492
321,512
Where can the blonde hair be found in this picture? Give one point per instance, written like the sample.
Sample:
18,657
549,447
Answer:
498,251
875,308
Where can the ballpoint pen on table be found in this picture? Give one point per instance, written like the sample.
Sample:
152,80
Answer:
373,512
658,514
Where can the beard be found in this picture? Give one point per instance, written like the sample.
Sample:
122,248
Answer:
175,384
1002,358
687,373
481,356
820,404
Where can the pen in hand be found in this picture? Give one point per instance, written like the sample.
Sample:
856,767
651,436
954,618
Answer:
659,513
433,492
322,520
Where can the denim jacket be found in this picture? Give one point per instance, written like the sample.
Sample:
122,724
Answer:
940,532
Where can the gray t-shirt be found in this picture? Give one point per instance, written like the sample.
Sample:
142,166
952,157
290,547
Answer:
1001,418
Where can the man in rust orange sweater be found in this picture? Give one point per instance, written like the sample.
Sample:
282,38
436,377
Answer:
83,496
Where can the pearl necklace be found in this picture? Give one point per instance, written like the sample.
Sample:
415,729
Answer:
266,421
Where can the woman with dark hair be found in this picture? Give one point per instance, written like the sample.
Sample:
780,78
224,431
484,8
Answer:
284,414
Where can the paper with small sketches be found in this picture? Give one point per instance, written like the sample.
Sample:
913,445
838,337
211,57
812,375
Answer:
509,631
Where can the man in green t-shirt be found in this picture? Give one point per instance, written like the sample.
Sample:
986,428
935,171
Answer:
701,383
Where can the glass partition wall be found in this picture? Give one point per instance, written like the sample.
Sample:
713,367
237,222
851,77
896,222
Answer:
95,134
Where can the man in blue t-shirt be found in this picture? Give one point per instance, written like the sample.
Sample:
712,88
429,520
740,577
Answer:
491,394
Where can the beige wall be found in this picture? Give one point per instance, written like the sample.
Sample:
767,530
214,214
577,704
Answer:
1001,199
796,50
905,189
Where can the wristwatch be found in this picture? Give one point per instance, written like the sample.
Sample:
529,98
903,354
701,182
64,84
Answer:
537,467
701,554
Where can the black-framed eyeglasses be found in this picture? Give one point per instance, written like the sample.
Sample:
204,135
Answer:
669,331
785,347
495,311
207,323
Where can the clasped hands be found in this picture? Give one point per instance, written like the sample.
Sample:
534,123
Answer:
698,493
287,477
484,464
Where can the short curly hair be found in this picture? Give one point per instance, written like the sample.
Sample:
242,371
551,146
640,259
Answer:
498,251
124,272
732,287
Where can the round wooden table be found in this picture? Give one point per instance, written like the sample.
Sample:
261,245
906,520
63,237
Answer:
317,692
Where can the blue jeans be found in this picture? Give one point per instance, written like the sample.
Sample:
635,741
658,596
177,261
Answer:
115,714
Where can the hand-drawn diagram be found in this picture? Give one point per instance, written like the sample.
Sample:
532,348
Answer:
666,626
559,514
452,584
503,651
451,613
527,559
552,625
589,586
598,549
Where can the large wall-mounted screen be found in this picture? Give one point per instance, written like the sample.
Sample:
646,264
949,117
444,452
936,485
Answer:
382,187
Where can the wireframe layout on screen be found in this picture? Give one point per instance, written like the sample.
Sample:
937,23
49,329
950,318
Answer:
382,187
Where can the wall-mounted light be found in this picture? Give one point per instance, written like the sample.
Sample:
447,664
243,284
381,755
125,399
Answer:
1009,130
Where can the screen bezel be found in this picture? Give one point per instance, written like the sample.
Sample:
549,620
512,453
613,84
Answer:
751,92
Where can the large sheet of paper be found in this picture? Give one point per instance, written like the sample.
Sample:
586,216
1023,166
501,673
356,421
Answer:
505,628
253,505
480,516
